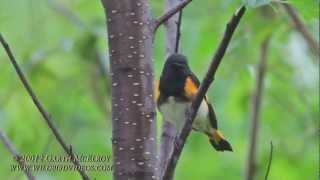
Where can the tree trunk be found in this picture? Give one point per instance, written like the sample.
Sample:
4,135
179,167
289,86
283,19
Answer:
130,31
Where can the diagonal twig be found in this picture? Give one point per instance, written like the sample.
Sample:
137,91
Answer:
170,13
180,141
47,117
302,28
7,142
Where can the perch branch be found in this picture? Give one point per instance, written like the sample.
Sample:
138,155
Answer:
7,142
162,19
47,117
169,131
256,107
191,113
270,161
302,28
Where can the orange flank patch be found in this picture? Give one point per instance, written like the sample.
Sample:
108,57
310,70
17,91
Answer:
156,90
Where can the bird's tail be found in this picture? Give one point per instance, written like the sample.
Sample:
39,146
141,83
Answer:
218,141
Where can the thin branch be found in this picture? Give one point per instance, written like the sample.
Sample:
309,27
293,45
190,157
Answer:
178,35
47,117
7,142
169,132
256,107
170,13
191,113
270,161
302,28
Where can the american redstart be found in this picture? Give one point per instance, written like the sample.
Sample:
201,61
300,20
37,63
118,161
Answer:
174,93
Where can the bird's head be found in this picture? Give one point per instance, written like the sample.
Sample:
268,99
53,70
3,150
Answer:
174,74
177,62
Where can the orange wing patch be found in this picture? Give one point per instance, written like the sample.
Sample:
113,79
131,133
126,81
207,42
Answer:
190,87
156,90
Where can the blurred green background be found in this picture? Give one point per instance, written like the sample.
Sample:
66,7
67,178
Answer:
62,47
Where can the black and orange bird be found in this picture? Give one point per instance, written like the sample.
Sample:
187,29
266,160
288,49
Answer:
174,93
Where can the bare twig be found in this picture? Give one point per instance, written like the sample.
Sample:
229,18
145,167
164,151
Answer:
170,13
7,142
180,141
47,117
302,28
270,161
256,106
178,34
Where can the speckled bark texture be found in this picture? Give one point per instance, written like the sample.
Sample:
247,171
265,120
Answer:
130,30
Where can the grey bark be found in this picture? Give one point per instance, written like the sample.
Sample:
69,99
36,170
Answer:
169,131
130,31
